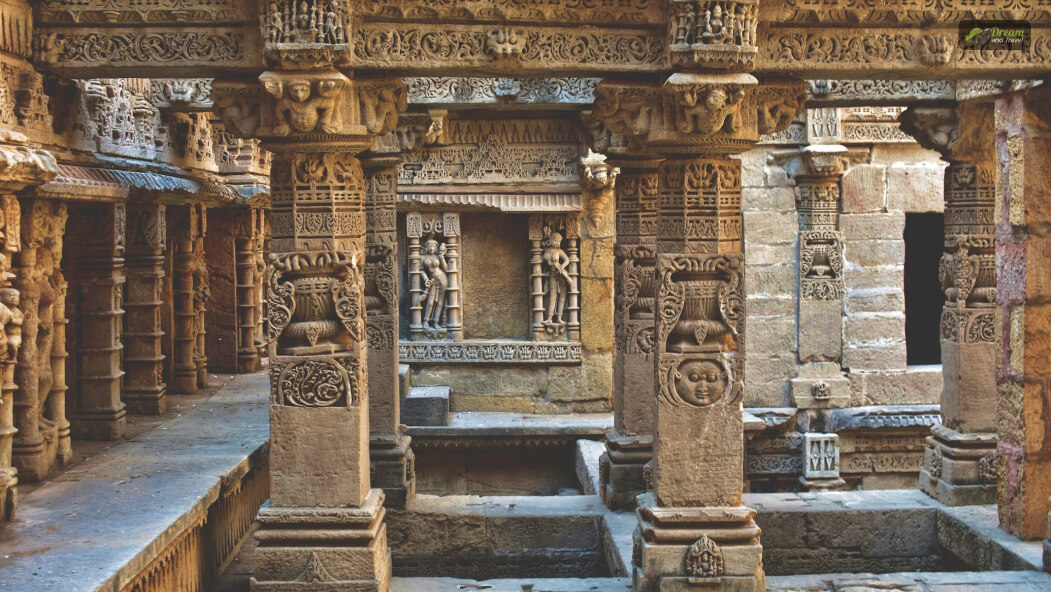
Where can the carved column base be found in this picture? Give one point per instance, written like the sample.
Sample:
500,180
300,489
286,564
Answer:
34,459
184,381
393,468
710,548
318,549
959,469
8,493
146,400
100,424
621,477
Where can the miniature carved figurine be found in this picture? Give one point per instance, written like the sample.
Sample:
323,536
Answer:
700,382
684,17
10,333
713,25
716,110
275,25
298,110
557,284
434,269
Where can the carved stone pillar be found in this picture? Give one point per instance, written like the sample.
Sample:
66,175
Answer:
629,445
100,413
144,387
324,523
392,460
184,232
20,167
1023,323
693,531
261,257
959,463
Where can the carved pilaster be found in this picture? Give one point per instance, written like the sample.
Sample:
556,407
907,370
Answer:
144,387
316,122
964,135
817,170
100,413
390,456
184,228
201,293
248,288
693,518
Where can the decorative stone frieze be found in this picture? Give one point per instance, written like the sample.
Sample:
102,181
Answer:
500,91
490,352
963,134
709,34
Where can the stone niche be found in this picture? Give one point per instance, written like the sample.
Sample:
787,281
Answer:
489,243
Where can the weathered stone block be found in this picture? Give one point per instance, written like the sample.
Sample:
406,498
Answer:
767,394
773,336
874,252
916,188
771,279
874,300
820,330
426,406
864,189
771,227
766,254
769,199
782,305
875,357
821,393
874,327
879,277
760,369
872,226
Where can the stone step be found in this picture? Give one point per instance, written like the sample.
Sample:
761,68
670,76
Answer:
404,382
426,406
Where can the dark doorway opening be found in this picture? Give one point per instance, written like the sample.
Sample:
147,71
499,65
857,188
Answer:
924,239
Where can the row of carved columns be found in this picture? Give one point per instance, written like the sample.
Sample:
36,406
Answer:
89,324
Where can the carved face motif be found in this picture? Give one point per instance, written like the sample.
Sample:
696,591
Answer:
431,247
299,91
700,382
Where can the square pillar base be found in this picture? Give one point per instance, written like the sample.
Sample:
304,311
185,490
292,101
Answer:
621,472
323,549
393,469
959,469
709,548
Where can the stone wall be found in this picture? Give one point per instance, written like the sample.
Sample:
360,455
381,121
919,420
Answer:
890,181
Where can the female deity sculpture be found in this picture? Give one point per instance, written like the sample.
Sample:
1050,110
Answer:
557,283
434,270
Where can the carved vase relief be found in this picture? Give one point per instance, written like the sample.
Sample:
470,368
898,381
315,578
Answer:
700,329
434,282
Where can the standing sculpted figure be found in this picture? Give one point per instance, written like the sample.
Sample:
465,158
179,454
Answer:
557,283
10,334
434,269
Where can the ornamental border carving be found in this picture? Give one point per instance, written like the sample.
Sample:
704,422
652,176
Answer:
489,352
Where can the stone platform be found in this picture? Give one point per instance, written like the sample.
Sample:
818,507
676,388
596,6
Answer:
136,508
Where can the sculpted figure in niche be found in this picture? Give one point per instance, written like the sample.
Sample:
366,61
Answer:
683,23
435,270
557,282
700,382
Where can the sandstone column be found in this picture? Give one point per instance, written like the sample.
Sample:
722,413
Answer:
100,413
959,463
247,289
21,167
693,531
324,523
629,445
391,458
184,230
1023,323
144,387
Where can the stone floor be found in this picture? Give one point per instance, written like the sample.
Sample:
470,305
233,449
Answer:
94,525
